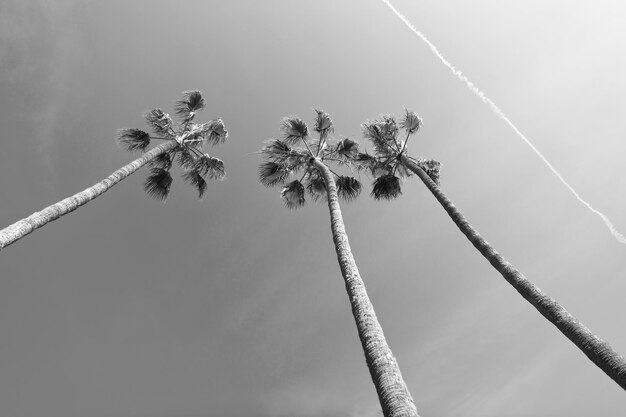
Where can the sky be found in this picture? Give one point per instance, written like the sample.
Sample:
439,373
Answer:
234,305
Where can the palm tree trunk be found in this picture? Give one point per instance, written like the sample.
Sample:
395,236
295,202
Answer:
600,352
393,393
36,220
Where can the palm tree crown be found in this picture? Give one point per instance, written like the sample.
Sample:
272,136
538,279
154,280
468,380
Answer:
189,138
295,153
386,164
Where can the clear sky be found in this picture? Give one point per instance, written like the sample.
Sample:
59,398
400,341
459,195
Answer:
234,305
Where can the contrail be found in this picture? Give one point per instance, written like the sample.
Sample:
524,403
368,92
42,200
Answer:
616,234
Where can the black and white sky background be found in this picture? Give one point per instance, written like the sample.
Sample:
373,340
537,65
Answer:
234,305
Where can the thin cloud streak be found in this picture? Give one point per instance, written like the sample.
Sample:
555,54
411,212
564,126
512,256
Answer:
616,234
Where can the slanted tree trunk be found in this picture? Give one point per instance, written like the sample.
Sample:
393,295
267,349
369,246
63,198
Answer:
393,393
600,352
36,220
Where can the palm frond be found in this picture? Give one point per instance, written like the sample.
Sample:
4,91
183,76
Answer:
271,174
347,148
348,188
293,194
194,178
411,122
186,159
373,130
388,128
210,167
382,133
160,122
386,187
275,147
191,102
316,186
158,183
294,129
163,160
133,139
431,167
217,132
278,151
323,123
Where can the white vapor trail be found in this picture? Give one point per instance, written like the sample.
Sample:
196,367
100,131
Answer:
616,234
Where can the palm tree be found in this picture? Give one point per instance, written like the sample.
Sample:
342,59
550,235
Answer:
390,162
182,142
297,153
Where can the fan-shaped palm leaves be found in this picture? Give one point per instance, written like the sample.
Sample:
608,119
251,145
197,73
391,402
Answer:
298,155
391,162
182,142
190,138
294,153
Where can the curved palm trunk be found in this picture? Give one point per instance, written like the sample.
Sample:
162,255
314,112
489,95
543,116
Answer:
36,220
600,352
393,393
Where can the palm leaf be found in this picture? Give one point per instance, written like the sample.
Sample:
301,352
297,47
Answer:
217,132
186,159
388,128
191,102
160,122
163,161
347,148
411,122
133,139
210,167
294,129
271,174
194,178
372,131
316,187
431,167
275,148
348,188
323,123
293,194
158,183
278,151
383,134
386,187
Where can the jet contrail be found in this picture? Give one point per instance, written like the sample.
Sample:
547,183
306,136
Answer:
616,234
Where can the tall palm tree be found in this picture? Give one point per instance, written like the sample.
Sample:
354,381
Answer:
298,153
183,142
390,162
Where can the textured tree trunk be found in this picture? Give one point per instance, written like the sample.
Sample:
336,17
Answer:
36,220
600,352
393,393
